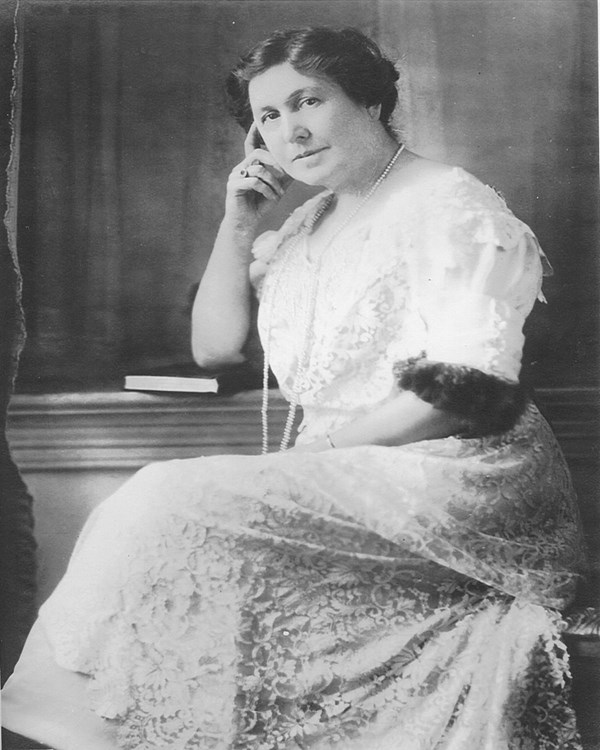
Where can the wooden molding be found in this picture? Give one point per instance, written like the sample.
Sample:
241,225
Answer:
79,431
128,430
574,414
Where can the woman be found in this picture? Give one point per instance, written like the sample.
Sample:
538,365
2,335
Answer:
393,580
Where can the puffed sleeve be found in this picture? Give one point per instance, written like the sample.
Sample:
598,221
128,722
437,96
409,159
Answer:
476,271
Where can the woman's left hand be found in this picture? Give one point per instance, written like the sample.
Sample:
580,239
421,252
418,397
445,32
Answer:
317,446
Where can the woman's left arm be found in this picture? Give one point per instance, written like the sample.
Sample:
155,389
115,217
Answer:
405,419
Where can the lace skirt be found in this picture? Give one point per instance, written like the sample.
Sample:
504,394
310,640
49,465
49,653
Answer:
363,599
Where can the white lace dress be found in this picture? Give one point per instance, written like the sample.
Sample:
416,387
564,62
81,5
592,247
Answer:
369,598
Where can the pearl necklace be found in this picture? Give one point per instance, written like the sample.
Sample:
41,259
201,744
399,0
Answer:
301,382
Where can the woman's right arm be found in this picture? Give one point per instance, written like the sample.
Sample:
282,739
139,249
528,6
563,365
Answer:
221,311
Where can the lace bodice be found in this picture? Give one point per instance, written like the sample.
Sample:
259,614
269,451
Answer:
443,269
341,598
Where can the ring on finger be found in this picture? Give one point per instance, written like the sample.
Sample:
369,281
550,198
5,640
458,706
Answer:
244,172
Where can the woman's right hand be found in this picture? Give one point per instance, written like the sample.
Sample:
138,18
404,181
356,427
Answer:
255,184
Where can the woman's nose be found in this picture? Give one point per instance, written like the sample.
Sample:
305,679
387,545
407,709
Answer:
293,129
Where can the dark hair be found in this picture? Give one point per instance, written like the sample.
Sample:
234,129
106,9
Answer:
345,56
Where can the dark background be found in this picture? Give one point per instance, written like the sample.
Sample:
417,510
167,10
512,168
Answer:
126,145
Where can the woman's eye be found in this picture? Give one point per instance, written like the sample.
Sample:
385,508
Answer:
310,101
269,117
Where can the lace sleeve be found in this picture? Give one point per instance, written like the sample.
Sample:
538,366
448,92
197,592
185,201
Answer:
477,271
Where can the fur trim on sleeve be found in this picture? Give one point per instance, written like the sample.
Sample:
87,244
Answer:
488,404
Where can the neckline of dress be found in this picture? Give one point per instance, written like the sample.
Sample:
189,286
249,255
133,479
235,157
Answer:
454,172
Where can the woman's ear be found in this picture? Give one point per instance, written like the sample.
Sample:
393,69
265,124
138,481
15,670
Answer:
374,111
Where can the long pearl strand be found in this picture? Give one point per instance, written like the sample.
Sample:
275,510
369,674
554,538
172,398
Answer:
300,377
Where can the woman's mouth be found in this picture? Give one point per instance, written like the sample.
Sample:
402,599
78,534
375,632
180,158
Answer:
306,154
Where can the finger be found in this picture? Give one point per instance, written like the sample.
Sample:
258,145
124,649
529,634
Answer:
271,173
252,170
266,158
259,186
253,140
265,174
254,184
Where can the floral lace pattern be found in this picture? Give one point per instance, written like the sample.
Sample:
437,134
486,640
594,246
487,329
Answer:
358,599
444,268
262,603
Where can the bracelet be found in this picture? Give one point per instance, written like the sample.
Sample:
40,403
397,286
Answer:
329,440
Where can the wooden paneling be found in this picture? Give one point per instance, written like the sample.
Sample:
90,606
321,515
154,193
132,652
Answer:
79,431
574,414
75,449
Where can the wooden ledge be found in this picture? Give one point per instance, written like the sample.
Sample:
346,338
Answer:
109,430
574,413
127,429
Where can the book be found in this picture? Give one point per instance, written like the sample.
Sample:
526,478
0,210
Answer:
173,383
189,378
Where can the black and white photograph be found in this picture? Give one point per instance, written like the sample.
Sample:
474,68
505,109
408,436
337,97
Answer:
300,375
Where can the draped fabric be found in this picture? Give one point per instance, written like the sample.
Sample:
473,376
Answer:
265,603
356,598
17,545
127,144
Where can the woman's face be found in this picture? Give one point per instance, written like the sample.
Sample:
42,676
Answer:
309,124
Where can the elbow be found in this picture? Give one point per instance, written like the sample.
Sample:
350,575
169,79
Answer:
215,359
486,404
215,346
